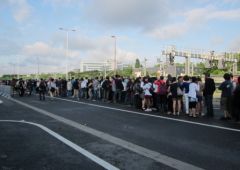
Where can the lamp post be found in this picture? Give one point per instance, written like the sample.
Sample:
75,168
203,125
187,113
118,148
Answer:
115,54
67,32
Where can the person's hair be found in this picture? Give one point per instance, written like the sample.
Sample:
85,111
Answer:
161,77
199,78
179,77
207,74
137,80
145,79
194,79
227,76
238,80
231,75
186,78
107,77
173,79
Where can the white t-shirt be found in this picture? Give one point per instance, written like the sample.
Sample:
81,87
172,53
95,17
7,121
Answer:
69,85
84,83
193,89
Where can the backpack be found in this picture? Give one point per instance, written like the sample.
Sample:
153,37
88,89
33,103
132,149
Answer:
42,86
162,89
75,85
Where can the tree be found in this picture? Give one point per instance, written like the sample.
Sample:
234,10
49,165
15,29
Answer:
137,63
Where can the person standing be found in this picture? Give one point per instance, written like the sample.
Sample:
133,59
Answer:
227,88
200,97
52,88
162,95
236,101
185,87
42,89
96,89
208,90
147,88
174,89
21,87
69,88
192,94
75,89
119,89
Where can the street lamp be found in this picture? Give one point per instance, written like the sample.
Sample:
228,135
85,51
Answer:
115,54
67,31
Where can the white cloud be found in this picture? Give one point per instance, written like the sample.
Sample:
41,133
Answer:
235,45
53,58
129,13
21,9
193,20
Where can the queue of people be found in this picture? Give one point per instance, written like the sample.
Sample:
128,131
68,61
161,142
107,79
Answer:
175,95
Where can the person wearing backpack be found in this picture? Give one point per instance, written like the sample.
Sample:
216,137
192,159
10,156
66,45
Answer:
137,91
106,86
42,89
174,89
76,89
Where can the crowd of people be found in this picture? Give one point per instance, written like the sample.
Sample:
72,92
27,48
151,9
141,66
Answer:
173,95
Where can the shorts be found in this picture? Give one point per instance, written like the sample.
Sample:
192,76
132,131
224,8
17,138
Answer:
225,103
192,105
200,98
147,96
178,97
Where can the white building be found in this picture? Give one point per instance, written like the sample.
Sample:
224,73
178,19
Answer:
93,66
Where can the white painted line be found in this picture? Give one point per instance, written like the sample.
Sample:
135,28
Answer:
75,147
156,116
158,157
1,101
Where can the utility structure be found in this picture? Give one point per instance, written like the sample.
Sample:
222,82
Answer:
115,54
67,30
211,58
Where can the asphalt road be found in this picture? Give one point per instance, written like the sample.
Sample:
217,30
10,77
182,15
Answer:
122,136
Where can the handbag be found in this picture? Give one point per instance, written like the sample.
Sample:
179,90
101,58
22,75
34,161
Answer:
179,91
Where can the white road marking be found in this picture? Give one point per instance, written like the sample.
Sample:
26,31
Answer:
156,116
158,157
1,101
77,148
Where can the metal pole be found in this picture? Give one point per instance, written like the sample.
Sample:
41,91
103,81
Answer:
18,67
187,65
115,54
37,68
67,31
145,66
67,56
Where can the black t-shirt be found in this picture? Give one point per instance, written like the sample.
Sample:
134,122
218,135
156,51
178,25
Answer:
173,89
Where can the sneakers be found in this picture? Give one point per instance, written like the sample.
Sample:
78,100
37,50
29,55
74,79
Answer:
148,110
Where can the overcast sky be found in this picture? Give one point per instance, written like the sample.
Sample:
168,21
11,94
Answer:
30,32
